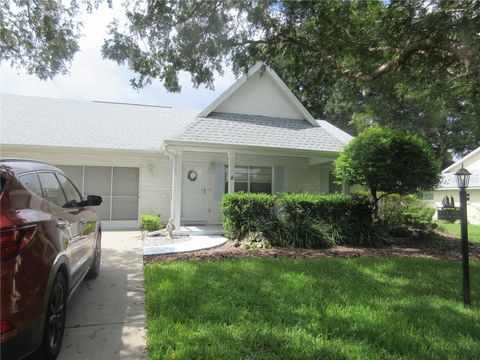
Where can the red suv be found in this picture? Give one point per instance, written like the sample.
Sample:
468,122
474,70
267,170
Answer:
50,239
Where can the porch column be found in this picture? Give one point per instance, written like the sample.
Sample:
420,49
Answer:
177,189
231,172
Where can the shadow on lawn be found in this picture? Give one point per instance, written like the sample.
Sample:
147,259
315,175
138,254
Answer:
329,309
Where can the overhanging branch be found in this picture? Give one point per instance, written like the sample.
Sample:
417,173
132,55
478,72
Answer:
463,55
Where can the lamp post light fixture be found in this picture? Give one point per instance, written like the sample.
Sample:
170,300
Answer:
463,178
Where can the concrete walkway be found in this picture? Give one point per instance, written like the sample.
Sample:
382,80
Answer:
196,243
106,316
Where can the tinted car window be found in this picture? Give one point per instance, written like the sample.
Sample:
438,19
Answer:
72,194
3,181
31,182
52,190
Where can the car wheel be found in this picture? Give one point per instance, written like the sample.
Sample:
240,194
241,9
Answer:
55,319
95,267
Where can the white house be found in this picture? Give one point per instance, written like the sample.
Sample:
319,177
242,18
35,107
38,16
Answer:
448,186
255,137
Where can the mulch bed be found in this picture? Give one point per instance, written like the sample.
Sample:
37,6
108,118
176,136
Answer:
431,246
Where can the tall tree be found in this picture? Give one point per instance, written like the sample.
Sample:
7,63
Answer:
409,64
41,36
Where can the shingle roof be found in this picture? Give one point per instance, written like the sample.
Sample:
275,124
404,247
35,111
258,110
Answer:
27,120
238,129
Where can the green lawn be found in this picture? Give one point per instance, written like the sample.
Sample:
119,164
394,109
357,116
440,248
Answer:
454,229
270,308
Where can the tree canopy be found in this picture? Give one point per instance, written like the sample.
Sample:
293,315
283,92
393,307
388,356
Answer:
413,65
388,162
41,36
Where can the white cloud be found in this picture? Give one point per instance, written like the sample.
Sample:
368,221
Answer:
93,78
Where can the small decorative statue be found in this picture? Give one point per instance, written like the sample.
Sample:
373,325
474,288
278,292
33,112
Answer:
446,202
170,228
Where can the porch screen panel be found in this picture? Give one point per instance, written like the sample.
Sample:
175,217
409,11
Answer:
124,208
98,181
278,179
104,209
125,193
74,173
125,181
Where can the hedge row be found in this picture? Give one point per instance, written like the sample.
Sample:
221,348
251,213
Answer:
301,220
245,213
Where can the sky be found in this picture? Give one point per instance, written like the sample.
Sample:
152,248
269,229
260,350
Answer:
94,78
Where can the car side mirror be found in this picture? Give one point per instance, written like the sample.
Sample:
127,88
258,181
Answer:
94,200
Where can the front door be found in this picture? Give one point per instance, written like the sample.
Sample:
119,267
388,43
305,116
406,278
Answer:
193,193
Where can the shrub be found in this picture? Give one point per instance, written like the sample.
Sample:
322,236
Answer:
245,213
398,214
317,220
388,161
419,217
149,222
302,220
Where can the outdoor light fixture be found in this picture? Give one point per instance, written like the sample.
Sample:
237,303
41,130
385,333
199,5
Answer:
463,178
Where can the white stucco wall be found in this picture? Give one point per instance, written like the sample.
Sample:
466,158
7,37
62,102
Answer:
155,170
260,95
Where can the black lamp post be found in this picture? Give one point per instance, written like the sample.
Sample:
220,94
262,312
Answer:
463,178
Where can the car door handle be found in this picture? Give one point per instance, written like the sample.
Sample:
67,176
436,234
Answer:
63,224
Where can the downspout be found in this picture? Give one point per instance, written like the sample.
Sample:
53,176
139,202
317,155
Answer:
171,156
164,149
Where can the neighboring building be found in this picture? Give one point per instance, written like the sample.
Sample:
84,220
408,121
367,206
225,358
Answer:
448,185
255,137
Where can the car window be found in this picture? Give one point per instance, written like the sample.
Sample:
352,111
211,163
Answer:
52,190
3,181
31,182
71,192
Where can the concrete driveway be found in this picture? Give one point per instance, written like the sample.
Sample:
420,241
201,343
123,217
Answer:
106,316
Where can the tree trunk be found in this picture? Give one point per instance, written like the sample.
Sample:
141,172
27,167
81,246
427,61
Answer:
373,193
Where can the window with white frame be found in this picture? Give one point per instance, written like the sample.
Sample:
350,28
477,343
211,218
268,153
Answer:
426,196
252,179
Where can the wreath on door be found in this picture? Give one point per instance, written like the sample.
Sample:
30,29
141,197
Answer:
192,175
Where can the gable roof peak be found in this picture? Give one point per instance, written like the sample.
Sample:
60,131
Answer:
283,92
